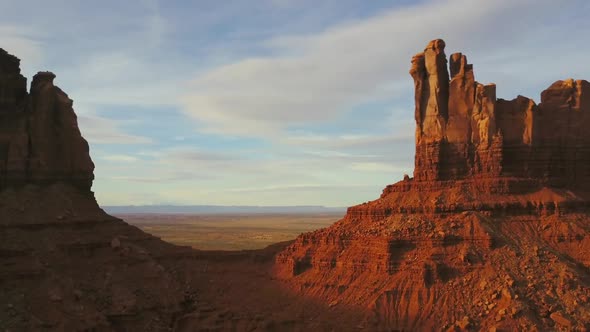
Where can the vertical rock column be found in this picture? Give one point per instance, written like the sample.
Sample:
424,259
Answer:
40,142
431,83
461,100
487,143
514,120
458,161
561,144
58,150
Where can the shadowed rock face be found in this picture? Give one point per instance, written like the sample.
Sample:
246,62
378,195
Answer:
497,214
40,142
463,131
66,264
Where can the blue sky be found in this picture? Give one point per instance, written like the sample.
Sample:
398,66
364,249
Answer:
272,102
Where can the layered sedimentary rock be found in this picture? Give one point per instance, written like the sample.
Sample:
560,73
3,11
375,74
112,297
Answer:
492,231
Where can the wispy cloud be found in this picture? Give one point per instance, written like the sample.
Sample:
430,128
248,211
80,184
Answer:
322,76
24,43
120,158
298,188
347,141
100,130
377,167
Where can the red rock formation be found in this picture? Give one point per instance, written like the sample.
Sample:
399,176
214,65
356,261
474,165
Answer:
492,231
463,131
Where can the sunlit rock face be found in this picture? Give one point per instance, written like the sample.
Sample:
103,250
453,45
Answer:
498,206
462,130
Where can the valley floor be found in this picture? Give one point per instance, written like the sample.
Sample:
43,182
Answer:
237,292
229,231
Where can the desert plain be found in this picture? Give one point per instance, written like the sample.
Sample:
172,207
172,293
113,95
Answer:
229,231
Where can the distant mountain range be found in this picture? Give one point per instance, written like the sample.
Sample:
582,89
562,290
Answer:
220,209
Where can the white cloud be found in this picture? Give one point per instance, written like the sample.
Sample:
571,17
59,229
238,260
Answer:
120,158
108,54
376,167
97,77
22,43
121,78
298,188
320,77
346,141
100,130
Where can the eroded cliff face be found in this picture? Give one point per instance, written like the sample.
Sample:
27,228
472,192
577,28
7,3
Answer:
40,141
492,230
462,130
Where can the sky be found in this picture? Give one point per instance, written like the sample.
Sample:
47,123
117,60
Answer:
273,102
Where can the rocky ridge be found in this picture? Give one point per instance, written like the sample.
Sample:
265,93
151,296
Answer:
491,232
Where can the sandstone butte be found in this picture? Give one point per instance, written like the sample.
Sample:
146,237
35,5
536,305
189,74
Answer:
491,232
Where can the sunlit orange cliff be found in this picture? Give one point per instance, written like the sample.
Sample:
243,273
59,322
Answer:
493,229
